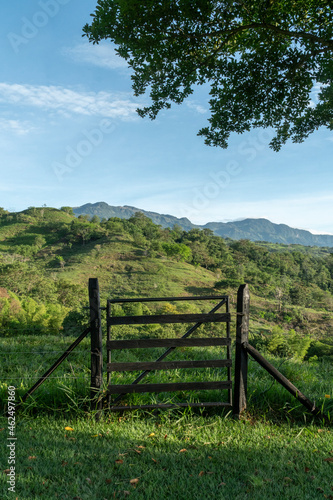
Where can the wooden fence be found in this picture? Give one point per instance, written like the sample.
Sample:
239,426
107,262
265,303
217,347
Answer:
237,391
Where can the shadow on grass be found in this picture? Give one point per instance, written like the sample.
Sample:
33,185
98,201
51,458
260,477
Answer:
176,458
198,291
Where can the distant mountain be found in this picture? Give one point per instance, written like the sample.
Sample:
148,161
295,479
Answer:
103,210
264,230
248,229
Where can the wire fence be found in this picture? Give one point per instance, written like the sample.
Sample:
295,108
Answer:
28,365
37,376
4,354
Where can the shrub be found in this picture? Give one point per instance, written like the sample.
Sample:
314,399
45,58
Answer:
29,317
289,343
319,349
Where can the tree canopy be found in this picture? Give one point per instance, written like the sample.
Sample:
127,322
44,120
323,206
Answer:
264,60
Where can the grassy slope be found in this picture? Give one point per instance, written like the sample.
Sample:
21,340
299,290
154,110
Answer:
223,458
123,269
177,457
111,260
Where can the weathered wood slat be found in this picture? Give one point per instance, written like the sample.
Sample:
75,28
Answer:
168,299
241,357
96,376
170,349
179,386
179,342
167,365
169,405
168,318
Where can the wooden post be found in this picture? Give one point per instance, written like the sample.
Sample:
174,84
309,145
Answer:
241,356
96,346
282,380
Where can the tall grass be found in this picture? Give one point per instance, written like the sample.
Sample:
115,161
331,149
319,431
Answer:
276,451
25,359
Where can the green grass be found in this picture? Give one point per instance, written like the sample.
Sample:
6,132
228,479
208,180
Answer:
24,359
176,455
278,450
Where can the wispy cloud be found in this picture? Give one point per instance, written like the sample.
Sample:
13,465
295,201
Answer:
196,107
67,101
16,126
100,55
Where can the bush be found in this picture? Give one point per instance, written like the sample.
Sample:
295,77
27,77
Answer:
179,250
289,343
319,349
27,316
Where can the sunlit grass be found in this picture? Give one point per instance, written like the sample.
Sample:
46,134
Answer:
276,451
170,455
25,359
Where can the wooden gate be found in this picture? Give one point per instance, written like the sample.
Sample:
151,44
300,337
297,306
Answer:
170,344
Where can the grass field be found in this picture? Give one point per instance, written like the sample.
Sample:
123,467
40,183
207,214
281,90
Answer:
25,358
176,455
277,450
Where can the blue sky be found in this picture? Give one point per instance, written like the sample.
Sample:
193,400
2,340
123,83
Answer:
69,135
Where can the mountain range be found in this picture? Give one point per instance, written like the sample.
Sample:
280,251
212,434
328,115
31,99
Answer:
249,229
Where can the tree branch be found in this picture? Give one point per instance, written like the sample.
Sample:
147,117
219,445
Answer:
293,34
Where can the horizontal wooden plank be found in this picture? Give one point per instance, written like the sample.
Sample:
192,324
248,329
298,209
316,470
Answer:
167,365
170,387
168,318
179,342
168,299
169,405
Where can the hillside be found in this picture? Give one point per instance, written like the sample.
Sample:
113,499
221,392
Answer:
48,255
105,211
248,229
264,230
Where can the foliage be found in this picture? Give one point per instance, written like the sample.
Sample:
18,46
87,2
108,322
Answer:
289,343
50,258
178,250
261,60
68,210
320,349
18,316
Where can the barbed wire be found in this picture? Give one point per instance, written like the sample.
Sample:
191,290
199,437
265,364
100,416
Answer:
63,377
31,331
43,352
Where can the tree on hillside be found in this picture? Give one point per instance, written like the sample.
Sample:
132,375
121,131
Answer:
261,59
95,219
3,212
68,210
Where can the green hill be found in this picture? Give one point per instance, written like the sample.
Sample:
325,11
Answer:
48,255
249,229
105,211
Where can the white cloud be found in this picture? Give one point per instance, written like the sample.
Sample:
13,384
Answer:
317,88
15,126
68,102
196,107
100,55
